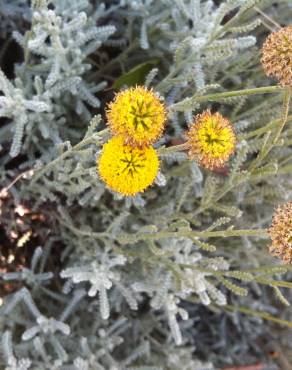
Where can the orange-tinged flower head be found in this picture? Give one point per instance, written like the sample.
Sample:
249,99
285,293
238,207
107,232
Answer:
277,55
125,169
211,140
137,115
281,233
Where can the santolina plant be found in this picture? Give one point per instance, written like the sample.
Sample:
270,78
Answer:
150,237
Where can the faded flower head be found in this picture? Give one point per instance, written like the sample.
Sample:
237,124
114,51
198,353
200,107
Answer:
137,115
125,169
211,140
281,233
277,55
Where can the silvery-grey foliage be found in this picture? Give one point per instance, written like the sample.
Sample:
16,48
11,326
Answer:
56,51
29,276
120,283
100,276
12,15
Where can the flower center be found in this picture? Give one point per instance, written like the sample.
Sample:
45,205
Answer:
141,114
212,139
132,163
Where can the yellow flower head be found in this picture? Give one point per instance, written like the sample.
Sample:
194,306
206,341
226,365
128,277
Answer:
277,55
137,115
125,169
211,140
281,233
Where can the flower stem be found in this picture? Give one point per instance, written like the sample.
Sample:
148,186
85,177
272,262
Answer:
262,314
230,94
173,149
285,112
263,129
268,146
132,238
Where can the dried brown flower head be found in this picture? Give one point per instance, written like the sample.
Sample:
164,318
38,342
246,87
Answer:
281,233
277,55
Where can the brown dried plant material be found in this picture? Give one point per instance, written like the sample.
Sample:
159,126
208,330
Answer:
281,233
277,56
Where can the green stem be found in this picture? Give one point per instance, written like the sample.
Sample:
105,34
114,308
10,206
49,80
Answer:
173,149
263,129
264,269
231,94
224,95
268,146
259,279
132,238
80,232
263,315
230,23
226,188
286,106
114,61
279,283
285,169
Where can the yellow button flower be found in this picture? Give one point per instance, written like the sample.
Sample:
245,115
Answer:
137,115
277,55
125,169
281,233
211,140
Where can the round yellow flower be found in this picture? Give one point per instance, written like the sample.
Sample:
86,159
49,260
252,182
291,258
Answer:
137,115
277,55
125,169
211,140
281,233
